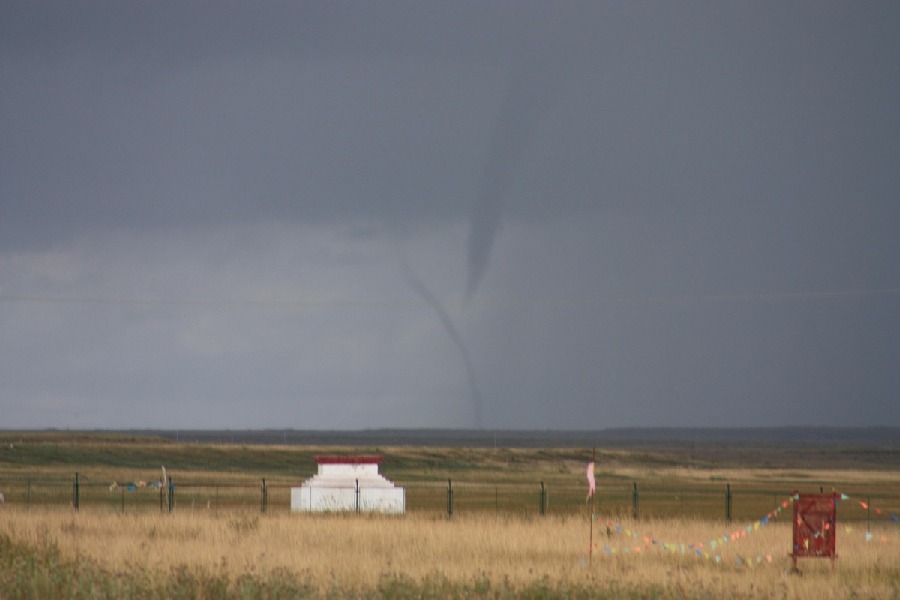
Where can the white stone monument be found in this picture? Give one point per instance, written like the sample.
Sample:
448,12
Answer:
348,483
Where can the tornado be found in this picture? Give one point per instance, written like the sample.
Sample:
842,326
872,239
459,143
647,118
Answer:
422,290
528,95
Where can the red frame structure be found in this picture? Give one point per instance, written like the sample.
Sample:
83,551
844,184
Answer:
815,531
356,459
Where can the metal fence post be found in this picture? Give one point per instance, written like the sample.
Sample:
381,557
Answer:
264,497
543,500
634,499
728,502
75,492
357,495
171,494
449,498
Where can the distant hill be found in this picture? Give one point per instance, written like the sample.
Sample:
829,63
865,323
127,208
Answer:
795,447
884,437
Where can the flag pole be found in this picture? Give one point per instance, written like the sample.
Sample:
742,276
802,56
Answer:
591,507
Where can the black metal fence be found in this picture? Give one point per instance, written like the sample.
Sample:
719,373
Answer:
722,501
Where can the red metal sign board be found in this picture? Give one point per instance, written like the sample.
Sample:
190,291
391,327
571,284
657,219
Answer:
815,520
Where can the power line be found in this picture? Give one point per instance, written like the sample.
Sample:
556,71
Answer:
496,301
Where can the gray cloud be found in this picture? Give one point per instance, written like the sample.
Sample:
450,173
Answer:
697,206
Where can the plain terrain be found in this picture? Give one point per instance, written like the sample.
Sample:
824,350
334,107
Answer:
218,542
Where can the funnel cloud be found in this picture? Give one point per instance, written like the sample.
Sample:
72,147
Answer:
529,94
419,287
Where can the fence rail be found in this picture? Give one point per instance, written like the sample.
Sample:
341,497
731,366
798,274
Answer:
622,499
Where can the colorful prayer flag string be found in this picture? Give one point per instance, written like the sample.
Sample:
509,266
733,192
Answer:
709,549
698,549
879,512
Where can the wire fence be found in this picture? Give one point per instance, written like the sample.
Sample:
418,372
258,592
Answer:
722,501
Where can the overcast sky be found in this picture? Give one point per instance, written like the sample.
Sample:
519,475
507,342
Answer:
463,214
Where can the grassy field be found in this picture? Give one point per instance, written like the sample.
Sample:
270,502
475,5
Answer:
64,554
217,543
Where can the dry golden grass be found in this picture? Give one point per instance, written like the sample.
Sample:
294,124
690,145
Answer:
357,550
217,528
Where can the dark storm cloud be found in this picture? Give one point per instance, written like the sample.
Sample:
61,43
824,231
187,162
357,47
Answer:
672,212
174,114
